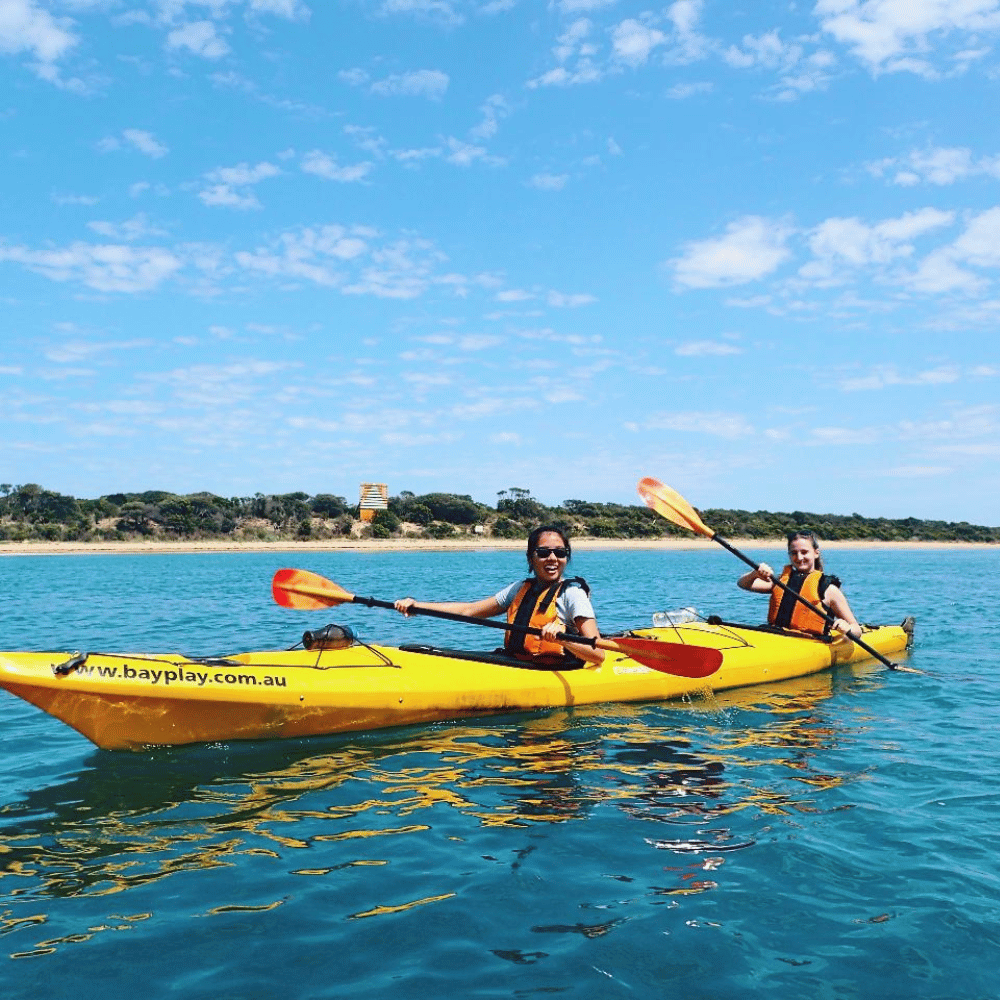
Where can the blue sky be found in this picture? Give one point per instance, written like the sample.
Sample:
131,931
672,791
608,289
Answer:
749,248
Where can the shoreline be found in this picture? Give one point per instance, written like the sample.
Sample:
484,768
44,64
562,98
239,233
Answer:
434,545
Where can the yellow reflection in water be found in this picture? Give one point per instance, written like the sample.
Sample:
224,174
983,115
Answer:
678,765
381,911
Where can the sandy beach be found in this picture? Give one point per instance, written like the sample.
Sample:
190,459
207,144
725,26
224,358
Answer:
428,545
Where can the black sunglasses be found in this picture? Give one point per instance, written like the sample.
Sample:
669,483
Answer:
543,552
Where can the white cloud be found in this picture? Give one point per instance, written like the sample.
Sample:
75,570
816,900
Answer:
429,83
479,342
145,142
366,138
682,91
980,243
706,348
575,55
767,50
106,268
409,157
752,248
964,423
293,10
348,259
219,386
970,430
74,199
325,166
560,300
548,182
936,165
314,254
73,352
243,174
435,10
27,27
514,295
724,425
582,6
463,154
946,269
427,380
895,35
685,15
799,73
632,42
354,77
938,273
884,376
843,437
132,229
199,37
223,196
229,187
854,242
493,110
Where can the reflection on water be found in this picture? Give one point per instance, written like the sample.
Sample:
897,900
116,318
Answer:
703,773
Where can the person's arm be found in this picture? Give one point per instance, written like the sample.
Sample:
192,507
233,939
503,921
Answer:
485,608
759,580
577,608
837,603
584,626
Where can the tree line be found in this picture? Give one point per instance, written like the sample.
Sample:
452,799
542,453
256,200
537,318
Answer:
32,513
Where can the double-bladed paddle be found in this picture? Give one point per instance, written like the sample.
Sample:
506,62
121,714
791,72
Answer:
306,591
671,505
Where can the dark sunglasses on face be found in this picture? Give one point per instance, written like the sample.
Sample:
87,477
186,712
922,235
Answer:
543,552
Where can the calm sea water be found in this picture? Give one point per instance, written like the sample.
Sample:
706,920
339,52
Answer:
834,838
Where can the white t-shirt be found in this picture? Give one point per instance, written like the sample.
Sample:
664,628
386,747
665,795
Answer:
571,604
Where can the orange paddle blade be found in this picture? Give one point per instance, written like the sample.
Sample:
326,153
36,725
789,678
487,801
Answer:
671,505
305,591
669,657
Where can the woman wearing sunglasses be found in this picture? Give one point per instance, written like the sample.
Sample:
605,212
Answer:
546,600
804,575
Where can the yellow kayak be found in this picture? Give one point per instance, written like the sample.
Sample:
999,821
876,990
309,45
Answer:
134,701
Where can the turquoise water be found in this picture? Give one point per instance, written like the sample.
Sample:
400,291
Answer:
834,837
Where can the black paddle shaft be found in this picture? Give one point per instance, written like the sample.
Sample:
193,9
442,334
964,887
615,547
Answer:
374,602
812,607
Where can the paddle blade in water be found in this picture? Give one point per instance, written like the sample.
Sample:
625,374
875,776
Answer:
671,657
670,504
305,591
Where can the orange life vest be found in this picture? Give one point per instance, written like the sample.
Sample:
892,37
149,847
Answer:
535,605
786,612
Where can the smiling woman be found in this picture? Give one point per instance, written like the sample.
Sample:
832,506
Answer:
545,601
804,576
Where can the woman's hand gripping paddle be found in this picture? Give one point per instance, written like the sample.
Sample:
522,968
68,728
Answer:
305,591
671,505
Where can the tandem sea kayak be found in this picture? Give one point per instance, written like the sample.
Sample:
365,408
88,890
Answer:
136,701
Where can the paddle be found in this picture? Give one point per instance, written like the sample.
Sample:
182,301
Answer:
671,505
305,591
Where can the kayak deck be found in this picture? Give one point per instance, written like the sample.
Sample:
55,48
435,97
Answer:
141,700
